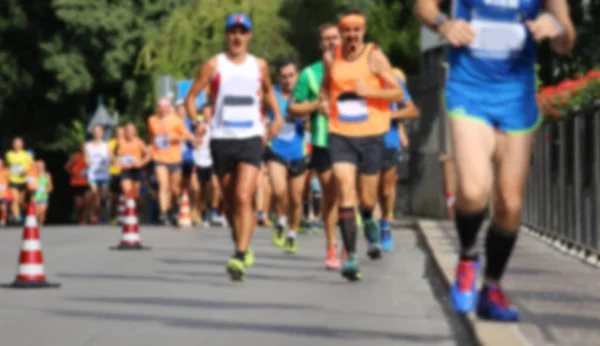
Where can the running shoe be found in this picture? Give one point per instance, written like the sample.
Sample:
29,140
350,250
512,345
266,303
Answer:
494,305
290,245
249,258
331,258
316,227
304,226
350,269
278,236
387,243
371,229
235,269
464,291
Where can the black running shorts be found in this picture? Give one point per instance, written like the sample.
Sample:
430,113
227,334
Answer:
364,152
227,153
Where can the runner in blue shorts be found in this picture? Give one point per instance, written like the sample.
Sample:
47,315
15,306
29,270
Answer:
490,96
287,160
404,110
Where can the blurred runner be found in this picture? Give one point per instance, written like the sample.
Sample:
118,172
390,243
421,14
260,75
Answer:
43,188
3,193
98,158
403,110
132,155
239,80
19,162
167,131
115,174
76,168
189,181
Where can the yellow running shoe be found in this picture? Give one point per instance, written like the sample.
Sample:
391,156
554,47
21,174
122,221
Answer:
249,259
290,245
235,269
278,236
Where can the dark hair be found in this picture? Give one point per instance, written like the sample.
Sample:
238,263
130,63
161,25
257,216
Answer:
283,62
326,26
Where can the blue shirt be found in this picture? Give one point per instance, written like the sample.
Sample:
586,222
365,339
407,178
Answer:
503,55
289,142
391,139
187,148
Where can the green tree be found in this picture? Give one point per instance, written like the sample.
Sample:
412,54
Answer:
192,34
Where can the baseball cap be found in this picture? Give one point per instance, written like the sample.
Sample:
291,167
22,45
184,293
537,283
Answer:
238,19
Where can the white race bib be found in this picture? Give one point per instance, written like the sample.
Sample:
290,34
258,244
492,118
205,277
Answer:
16,169
2,187
288,131
161,142
352,110
497,40
238,116
127,160
30,180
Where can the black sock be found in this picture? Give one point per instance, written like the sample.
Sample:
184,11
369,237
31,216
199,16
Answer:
468,225
366,213
240,255
347,221
305,208
499,244
316,204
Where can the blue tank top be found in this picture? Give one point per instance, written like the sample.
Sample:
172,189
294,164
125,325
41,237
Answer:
503,53
289,143
187,148
391,139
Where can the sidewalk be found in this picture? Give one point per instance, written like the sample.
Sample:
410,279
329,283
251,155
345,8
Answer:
558,296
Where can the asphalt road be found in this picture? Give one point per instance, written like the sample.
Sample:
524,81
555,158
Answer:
178,294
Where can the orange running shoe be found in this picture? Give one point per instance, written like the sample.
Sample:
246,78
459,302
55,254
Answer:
332,261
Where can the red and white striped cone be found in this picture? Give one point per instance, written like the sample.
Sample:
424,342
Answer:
30,273
121,209
185,216
130,236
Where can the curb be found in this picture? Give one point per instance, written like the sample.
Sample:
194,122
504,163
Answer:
443,255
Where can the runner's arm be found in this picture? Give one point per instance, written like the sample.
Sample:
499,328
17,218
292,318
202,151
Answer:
380,66
560,10
408,109
271,99
86,155
50,187
299,106
200,83
145,154
427,11
403,136
69,164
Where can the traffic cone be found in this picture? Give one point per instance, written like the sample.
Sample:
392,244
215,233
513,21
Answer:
185,217
121,210
30,273
130,237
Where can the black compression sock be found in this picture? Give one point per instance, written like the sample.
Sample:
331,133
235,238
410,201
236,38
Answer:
366,213
316,204
305,208
240,255
467,226
347,222
499,245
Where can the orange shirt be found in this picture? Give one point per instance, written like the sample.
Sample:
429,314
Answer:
78,171
130,151
351,115
32,175
164,150
4,184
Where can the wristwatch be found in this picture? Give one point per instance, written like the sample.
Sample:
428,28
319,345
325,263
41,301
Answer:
439,20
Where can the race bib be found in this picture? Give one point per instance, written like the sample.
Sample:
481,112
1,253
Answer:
162,142
16,169
288,131
127,160
352,108
2,187
497,40
30,180
239,111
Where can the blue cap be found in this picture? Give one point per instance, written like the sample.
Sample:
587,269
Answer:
238,19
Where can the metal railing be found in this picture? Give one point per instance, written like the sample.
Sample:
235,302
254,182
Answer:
562,200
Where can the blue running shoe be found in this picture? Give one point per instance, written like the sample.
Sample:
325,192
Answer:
494,305
350,269
464,291
371,229
387,243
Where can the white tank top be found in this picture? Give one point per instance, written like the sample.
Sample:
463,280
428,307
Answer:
202,156
99,161
237,107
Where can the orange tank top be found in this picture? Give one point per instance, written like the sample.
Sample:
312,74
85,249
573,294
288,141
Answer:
78,171
129,151
4,189
32,175
351,115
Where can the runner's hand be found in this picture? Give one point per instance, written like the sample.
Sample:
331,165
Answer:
544,27
457,32
361,89
323,107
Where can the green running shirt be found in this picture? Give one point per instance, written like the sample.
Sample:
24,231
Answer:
307,89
